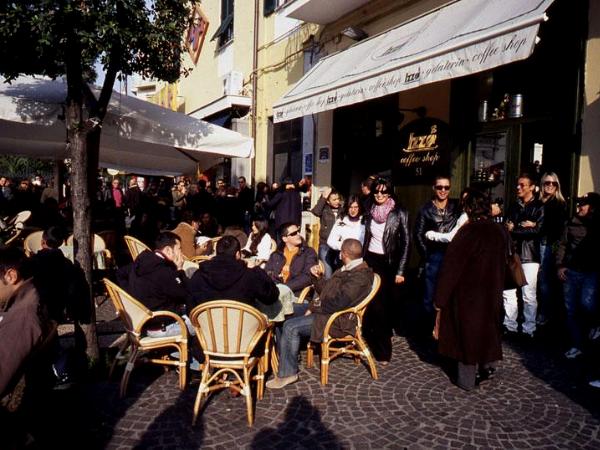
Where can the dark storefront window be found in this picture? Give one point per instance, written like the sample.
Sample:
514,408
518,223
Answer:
287,150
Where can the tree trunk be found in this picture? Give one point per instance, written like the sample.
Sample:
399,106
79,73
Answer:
82,223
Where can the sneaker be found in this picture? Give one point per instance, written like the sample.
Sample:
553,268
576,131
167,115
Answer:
195,365
594,333
278,383
595,383
573,353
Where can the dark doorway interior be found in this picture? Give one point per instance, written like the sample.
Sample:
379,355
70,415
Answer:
363,141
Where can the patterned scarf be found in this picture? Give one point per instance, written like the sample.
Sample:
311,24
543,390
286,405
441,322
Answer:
380,212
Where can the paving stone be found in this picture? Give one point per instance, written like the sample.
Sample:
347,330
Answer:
412,405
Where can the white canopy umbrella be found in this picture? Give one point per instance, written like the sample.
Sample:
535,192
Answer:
137,136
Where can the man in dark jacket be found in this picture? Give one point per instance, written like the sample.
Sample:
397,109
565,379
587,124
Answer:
291,263
579,268
156,279
287,204
346,288
226,277
525,220
439,214
61,285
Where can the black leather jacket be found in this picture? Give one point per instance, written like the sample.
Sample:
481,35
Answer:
527,240
432,218
396,238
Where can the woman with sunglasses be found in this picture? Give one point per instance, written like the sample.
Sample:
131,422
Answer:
555,217
386,252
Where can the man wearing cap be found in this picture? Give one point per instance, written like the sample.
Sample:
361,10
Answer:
578,269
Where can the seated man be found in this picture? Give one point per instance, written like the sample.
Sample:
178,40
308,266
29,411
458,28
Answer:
290,264
187,230
347,286
61,285
23,320
226,277
157,280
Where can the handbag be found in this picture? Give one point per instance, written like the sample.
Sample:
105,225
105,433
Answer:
514,275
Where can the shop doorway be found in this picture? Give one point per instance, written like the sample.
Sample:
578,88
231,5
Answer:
364,142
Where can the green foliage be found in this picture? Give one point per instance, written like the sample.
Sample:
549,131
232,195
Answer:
20,166
125,35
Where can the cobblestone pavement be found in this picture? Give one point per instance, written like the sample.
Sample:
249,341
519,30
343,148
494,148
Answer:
535,401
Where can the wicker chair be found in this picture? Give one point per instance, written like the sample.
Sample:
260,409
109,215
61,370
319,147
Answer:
309,289
33,243
228,332
135,246
349,343
99,248
134,316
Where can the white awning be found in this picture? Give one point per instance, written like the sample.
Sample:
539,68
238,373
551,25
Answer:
462,38
137,136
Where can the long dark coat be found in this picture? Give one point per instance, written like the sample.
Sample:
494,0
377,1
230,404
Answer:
469,294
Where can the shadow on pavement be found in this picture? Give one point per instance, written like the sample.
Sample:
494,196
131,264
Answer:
301,428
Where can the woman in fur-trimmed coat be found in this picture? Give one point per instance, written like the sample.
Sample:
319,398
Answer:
469,294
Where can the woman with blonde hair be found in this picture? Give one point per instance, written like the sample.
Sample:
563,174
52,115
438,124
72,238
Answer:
555,217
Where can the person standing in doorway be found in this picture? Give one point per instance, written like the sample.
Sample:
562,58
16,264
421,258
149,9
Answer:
386,252
525,221
555,218
439,214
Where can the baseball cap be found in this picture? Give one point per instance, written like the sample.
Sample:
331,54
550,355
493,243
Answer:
591,198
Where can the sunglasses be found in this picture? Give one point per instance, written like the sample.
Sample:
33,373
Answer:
382,192
442,188
293,233
551,183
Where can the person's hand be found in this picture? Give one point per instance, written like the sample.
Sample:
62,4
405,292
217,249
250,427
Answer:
527,224
325,192
510,226
429,235
316,271
178,260
302,182
308,312
562,274
399,279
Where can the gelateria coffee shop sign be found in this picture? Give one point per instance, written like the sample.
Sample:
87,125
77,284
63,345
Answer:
423,153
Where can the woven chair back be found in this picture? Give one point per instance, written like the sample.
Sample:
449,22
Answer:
362,306
33,243
99,244
135,246
131,312
228,328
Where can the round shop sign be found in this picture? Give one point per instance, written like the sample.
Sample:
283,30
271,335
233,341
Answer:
424,151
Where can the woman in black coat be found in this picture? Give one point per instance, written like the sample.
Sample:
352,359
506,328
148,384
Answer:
386,252
469,293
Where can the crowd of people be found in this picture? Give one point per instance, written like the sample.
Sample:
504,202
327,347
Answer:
464,245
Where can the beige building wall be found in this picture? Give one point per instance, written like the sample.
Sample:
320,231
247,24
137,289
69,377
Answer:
205,83
280,65
589,165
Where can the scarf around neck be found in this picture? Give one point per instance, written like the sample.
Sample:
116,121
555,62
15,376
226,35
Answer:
380,212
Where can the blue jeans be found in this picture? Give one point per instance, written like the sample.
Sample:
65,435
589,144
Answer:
289,340
546,282
173,329
328,257
580,291
432,267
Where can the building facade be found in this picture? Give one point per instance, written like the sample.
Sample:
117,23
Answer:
537,110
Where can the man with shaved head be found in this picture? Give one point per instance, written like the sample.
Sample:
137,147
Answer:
346,288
